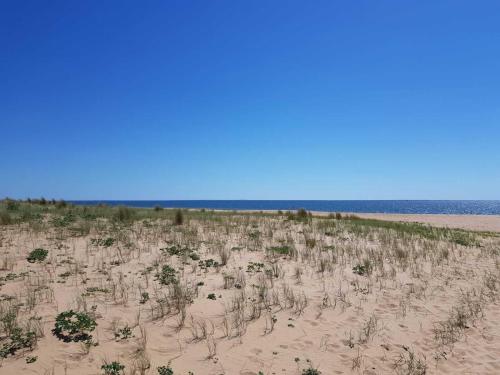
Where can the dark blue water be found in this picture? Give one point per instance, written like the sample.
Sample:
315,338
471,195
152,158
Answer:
375,206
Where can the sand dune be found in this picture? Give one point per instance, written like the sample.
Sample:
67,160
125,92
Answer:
248,294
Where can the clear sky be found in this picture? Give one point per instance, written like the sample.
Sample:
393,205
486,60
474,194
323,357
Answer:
250,99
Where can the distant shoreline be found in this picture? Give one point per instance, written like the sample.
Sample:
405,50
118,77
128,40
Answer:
487,223
406,207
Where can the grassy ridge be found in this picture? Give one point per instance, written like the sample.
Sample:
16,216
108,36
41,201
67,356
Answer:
63,214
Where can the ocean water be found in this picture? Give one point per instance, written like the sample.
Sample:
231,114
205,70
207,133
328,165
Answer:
479,207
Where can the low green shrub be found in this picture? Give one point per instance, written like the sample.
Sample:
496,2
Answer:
167,275
113,368
37,255
165,370
74,326
311,371
17,340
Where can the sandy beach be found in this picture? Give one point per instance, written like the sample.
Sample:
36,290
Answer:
91,290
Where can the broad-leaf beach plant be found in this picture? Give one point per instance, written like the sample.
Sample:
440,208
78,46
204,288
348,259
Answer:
74,326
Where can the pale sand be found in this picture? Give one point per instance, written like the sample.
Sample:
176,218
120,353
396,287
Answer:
324,313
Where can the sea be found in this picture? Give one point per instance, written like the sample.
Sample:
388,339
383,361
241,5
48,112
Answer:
464,207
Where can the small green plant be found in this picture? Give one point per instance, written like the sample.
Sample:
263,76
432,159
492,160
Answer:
103,242
18,340
144,298
37,255
172,250
212,296
167,275
123,333
363,269
31,359
73,326
359,269
207,263
194,256
165,370
95,289
282,250
311,371
254,267
113,368
63,221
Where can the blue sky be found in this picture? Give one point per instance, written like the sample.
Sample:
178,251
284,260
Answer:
250,99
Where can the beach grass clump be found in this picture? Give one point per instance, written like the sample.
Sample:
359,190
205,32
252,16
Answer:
464,313
361,227
11,204
61,204
124,214
408,363
37,255
300,215
5,218
74,326
463,238
178,217
281,250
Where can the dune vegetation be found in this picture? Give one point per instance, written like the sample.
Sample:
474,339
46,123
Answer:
118,290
